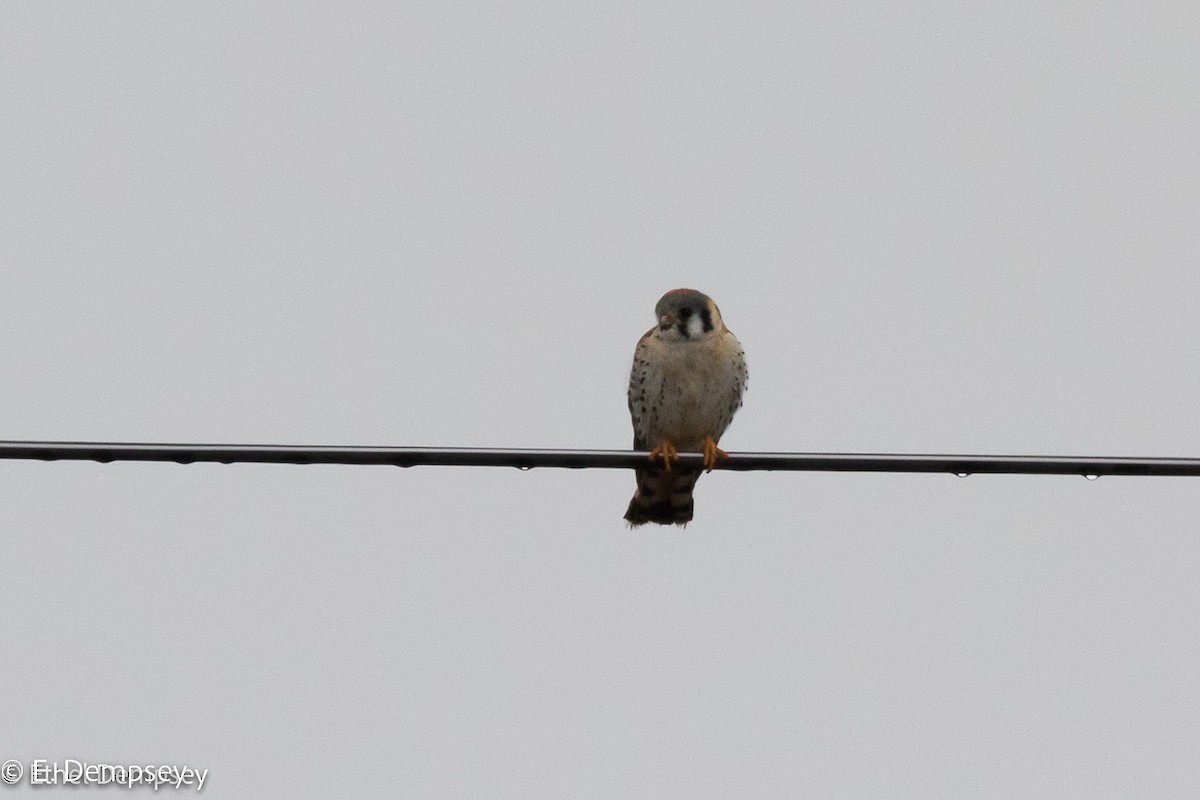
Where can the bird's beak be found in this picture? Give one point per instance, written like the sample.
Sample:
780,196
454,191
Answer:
666,321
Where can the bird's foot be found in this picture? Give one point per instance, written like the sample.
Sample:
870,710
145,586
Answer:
711,454
667,452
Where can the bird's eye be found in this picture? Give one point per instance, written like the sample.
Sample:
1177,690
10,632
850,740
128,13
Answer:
685,312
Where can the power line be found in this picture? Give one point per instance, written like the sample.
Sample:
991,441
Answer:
581,459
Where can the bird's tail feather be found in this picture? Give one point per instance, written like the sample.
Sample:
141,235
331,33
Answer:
663,496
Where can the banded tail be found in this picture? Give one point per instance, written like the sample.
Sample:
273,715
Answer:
663,496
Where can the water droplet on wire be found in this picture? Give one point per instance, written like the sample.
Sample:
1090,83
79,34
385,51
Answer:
1091,476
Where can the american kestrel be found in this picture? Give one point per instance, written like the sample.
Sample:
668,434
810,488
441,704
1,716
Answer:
689,373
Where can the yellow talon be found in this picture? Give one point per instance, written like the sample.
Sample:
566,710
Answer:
711,454
668,453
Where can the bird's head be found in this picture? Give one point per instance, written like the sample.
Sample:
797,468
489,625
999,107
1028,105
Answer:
688,315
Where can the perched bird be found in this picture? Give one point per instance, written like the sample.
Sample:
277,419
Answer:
689,373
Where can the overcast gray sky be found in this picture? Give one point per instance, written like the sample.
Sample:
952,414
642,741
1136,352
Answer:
935,227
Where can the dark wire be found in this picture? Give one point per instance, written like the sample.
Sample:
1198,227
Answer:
105,452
